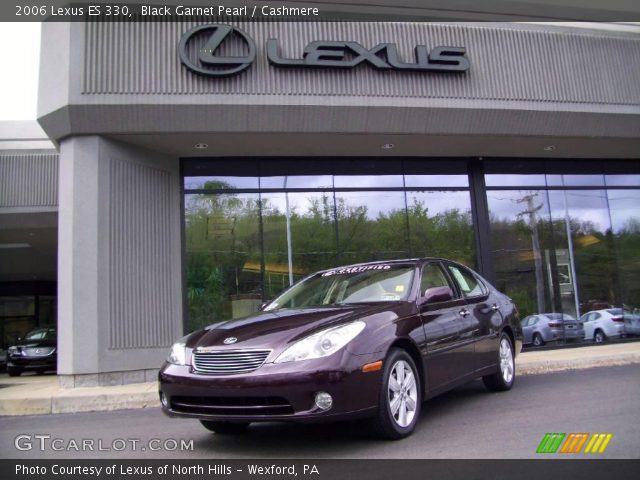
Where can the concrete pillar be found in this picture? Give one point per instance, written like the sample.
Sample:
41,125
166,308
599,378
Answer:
119,262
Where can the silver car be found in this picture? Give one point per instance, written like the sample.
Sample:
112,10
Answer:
541,328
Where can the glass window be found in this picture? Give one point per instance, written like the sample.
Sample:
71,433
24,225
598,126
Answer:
515,180
371,226
441,225
575,180
223,255
432,277
622,180
436,181
220,183
368,181
468,284
311,244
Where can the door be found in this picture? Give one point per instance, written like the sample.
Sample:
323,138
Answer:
481,327
527,330
442,325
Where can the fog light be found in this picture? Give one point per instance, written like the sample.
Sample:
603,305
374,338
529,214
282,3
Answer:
163,400
324,400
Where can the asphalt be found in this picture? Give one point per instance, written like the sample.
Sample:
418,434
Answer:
32,394
468,422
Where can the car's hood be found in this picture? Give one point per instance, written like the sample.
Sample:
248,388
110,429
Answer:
273,329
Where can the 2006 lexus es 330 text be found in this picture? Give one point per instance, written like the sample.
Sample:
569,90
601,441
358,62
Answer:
367,340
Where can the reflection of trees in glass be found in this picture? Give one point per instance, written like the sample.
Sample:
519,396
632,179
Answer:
224,246
602,259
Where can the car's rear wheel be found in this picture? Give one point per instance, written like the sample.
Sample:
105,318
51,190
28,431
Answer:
537,340
13,372
225,428
599,336
505,376
400,397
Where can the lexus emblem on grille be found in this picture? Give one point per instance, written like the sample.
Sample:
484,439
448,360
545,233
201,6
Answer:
37,350
230,340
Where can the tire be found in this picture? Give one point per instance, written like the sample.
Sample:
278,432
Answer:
225,428
13,372
400,401
505,377
599,336
538,340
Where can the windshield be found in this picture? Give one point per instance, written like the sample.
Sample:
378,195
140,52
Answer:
40,334
359,284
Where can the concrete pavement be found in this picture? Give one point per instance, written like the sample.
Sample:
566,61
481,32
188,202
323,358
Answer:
39,394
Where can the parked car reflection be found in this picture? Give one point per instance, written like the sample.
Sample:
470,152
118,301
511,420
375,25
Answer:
601,325
541,328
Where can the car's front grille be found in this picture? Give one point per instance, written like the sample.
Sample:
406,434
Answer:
228,362
37,351
255,406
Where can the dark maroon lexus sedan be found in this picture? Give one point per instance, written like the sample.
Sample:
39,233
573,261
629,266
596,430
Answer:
366,340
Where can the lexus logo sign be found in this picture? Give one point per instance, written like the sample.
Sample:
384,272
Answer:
317,54
210,63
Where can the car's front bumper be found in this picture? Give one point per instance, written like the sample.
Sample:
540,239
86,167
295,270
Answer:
20,362
282,392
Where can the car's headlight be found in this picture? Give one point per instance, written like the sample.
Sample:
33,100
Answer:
178,355
321,344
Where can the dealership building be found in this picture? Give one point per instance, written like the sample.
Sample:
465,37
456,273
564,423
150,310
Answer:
189,171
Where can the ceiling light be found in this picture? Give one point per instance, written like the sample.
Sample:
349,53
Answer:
388,146
549,148
201,146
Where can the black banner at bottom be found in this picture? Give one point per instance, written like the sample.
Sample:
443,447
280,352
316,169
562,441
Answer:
320,469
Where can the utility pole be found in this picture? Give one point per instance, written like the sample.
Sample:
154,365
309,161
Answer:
531,212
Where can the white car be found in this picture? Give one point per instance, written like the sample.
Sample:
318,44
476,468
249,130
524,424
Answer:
599,325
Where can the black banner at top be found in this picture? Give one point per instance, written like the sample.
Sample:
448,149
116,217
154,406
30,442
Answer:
325,10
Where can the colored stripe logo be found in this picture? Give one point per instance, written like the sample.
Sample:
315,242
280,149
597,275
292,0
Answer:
574,443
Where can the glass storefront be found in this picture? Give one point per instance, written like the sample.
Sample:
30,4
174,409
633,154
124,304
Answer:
567,243
248,237
560,240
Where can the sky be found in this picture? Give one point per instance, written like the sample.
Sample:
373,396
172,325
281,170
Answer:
20,59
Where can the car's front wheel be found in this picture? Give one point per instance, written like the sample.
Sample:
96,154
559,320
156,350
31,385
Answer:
225,428
505,376
14,372
400,397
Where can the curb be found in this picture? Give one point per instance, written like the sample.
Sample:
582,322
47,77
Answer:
549,366
82,400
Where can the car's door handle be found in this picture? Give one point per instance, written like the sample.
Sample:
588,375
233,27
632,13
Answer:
495,307
464,312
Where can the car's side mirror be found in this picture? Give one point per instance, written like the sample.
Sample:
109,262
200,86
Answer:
436,294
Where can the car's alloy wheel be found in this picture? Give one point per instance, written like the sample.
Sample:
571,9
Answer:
505,376
537,340
225,428
400,396
599,336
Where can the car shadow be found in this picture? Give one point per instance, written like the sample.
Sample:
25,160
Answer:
330,440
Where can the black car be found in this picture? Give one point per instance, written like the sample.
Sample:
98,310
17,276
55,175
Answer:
36,352
366,340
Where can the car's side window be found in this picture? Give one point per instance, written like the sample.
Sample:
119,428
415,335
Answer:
596,316
468,284
433,276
